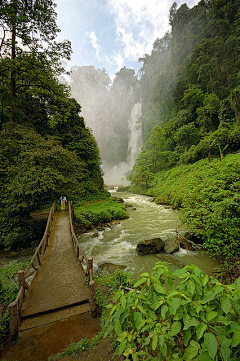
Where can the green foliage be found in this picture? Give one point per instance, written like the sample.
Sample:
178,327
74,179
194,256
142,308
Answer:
111,282
8,293
208,195
196,320
100,212
45,148
190,89
35,171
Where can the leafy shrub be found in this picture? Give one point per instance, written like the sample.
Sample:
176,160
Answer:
208,194
196,320
112,281
8,292
99,212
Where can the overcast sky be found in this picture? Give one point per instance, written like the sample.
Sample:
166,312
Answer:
112,33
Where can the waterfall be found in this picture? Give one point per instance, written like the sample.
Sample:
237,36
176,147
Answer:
135,133
116,175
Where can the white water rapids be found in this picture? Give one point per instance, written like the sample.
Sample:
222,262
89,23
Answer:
117,244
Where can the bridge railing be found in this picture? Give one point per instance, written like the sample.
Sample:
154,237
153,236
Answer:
15,307
41,249
87,262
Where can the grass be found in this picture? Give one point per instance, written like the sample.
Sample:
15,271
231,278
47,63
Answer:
94,213
77,348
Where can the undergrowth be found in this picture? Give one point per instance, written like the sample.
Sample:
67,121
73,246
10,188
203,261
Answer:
77,348
95,213
197,320
208,195
8,293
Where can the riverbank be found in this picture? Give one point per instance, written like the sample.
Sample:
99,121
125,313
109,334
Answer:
207,193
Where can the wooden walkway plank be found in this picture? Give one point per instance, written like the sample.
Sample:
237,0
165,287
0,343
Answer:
60,280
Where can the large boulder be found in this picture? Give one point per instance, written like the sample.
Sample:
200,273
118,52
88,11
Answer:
150,246
118,199
171,245
187,242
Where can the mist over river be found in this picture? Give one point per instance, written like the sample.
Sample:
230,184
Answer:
149,220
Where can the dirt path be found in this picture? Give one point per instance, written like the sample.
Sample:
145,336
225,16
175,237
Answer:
47,340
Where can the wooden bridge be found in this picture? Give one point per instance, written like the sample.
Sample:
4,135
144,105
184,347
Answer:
58,289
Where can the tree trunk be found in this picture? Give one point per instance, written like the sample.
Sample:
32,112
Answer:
13,69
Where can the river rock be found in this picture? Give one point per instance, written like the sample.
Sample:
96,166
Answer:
189,245
190,241
119,200
151,246
110,267
95,235
128,205
169,207
171,245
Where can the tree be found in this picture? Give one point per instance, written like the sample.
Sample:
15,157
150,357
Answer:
235,100
208,113
33,23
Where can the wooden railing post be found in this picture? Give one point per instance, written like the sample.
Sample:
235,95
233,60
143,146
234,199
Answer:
89,267
92,299
21,281
13,320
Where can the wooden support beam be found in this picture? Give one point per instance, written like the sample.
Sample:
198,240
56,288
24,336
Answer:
13,320
89,267
21,281
92,298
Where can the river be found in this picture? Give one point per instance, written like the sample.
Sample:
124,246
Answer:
148,220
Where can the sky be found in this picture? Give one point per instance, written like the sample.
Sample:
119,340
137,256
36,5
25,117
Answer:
111,34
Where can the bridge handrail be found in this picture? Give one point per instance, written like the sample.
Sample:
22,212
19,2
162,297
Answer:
76,245
84,260
43,244
15,307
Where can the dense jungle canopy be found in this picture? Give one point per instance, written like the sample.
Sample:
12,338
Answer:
190,90
45,148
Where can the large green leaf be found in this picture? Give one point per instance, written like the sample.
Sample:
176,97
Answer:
236,339
201,328
139,321
211,344
174,305
225,304
191,351
123,301
175,328
158,288
191,322
154,342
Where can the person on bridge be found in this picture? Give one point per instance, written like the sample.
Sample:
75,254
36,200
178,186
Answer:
63,201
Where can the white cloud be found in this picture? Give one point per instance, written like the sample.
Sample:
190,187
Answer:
140,22
93,39
118,60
